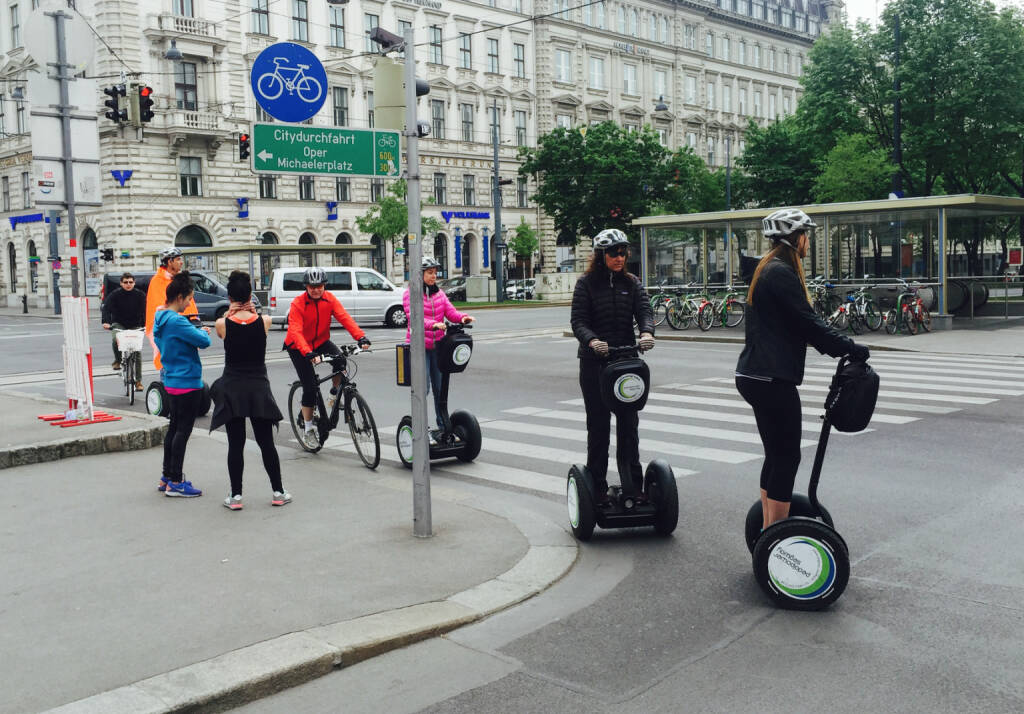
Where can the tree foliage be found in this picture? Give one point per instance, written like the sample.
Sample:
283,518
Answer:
388,218
778,164
854,170
524,239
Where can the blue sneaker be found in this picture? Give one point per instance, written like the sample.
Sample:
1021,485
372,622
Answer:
163,483
182,489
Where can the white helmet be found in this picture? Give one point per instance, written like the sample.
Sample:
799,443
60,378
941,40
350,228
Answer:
168,253
608,238
785,222
314,276
429,263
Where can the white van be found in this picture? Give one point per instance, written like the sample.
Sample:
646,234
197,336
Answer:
366,294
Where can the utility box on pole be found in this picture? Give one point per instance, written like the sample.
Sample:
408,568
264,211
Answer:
388,94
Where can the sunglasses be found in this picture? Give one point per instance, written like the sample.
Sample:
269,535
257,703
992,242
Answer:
620,252
127,282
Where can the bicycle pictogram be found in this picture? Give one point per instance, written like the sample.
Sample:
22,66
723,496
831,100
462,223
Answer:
271,85
387,141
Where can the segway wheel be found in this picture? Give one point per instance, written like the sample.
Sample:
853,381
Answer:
156,399
579,500
205,402
801,564
660,486
467,428
800,505
404,441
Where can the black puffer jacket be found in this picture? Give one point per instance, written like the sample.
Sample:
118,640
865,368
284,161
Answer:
126,307
780,324
604,305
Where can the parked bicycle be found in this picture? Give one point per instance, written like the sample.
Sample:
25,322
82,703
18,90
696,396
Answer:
682,311
910,313
129,343
347,401
660,299
726,310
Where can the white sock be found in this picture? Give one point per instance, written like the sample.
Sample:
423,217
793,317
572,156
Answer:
309,425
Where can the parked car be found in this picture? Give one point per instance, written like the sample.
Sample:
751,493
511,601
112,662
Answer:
454,288
520,289
211,292
366,294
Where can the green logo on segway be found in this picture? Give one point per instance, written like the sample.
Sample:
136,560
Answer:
461,354
801,568
629,388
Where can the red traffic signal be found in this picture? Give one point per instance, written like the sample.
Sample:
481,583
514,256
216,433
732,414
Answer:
243,146
145,103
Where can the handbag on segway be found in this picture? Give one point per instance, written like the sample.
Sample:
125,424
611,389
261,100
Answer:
801,562
625,383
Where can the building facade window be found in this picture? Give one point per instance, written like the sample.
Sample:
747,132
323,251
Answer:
435,54
521,192
742,58
336,18
15,26
629,85
465,51
495,123
469,190
711,152
725,49
771,106
492,55
185,85
339,96
466,113
519,60
743,102
268,187
19,118
664,30
342,189
519,119
596,78
621,17
634,23
711,95
5,189
403,25
661,83
599,15
727,98
3,124
376,190
757,105
437,118
369,109
300,20
756,56
771,60
563,120
262,116
440,190
190,173
370,21
181,7
785,105
261,17
563,66
652,33
691,89
307,188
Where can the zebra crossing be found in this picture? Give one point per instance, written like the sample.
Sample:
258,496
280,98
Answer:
706,425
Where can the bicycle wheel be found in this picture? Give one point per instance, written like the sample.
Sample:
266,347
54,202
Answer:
363,429
856,322
839,320
909,321
706,316
890,321
660,311
129,377
675,317
872,316
734,313
926,319
295,417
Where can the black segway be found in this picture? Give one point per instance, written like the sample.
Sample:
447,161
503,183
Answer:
801,562
460,438
625,384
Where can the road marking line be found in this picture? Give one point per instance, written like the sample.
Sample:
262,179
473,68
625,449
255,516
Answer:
738,402
917,376
889,393
925,385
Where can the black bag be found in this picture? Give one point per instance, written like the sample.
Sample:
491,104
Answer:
625,385
852,396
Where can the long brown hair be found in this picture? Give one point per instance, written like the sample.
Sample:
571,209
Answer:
786,253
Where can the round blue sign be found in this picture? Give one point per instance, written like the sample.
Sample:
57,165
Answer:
289,82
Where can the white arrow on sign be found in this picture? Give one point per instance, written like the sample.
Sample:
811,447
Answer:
264,155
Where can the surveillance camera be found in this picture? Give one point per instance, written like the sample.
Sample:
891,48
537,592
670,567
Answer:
386,40
422,128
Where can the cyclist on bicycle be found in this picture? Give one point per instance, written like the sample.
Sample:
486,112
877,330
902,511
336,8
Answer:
605,302
171,263
124,309
309,340
780,325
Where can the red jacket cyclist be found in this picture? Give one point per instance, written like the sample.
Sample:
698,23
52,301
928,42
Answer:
309,339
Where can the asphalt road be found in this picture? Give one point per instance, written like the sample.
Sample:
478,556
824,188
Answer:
928,501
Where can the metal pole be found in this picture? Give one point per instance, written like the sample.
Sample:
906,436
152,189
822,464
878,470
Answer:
499,244
64,108
422,526
897,149
53,258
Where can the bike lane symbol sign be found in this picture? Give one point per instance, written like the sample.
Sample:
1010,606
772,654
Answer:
289,82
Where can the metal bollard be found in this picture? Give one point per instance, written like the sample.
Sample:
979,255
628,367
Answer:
24,304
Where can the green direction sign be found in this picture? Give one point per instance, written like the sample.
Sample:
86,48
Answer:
298,149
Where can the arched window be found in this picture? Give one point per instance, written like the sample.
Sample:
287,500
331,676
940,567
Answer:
12,267
193,236
377,257
33,266
306,259
664,29
269,238
622,20
653,32
89,239
634,23
467,254
346,257
441,254
268,261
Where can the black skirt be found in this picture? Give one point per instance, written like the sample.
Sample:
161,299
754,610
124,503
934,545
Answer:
241,393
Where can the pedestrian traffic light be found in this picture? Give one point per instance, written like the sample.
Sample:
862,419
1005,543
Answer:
115,113
108,254
145,96
244,145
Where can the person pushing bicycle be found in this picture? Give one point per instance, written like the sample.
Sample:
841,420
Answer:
308,340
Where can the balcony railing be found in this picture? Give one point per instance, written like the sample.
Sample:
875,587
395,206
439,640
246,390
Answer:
193,120
184,25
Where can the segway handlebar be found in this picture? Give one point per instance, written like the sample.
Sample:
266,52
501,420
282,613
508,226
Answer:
623,351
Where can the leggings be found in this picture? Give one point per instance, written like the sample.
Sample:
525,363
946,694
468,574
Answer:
777,411
262,430
183,408
627,448
434,381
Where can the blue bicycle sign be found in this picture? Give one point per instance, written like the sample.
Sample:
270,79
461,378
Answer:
289,82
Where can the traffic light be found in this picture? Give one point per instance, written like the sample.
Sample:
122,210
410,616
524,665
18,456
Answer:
145,97
108,254
244,145
116,114
504,182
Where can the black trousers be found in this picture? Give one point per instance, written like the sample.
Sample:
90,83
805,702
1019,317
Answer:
627,448
779,422
183,409
263,431
304,368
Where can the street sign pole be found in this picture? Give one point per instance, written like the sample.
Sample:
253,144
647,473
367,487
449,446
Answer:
62,66
422,521
499,244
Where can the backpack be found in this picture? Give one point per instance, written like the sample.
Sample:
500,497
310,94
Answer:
852,396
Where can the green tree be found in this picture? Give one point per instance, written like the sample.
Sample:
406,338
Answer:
855,170
524,240
388,218
778,164
602,180
692,187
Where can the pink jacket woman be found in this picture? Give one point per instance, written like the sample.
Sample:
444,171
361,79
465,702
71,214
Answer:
436,307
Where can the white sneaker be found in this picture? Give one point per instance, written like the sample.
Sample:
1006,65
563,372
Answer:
311,439
233,502
280,498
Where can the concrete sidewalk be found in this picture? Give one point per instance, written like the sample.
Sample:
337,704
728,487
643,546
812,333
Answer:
118,599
